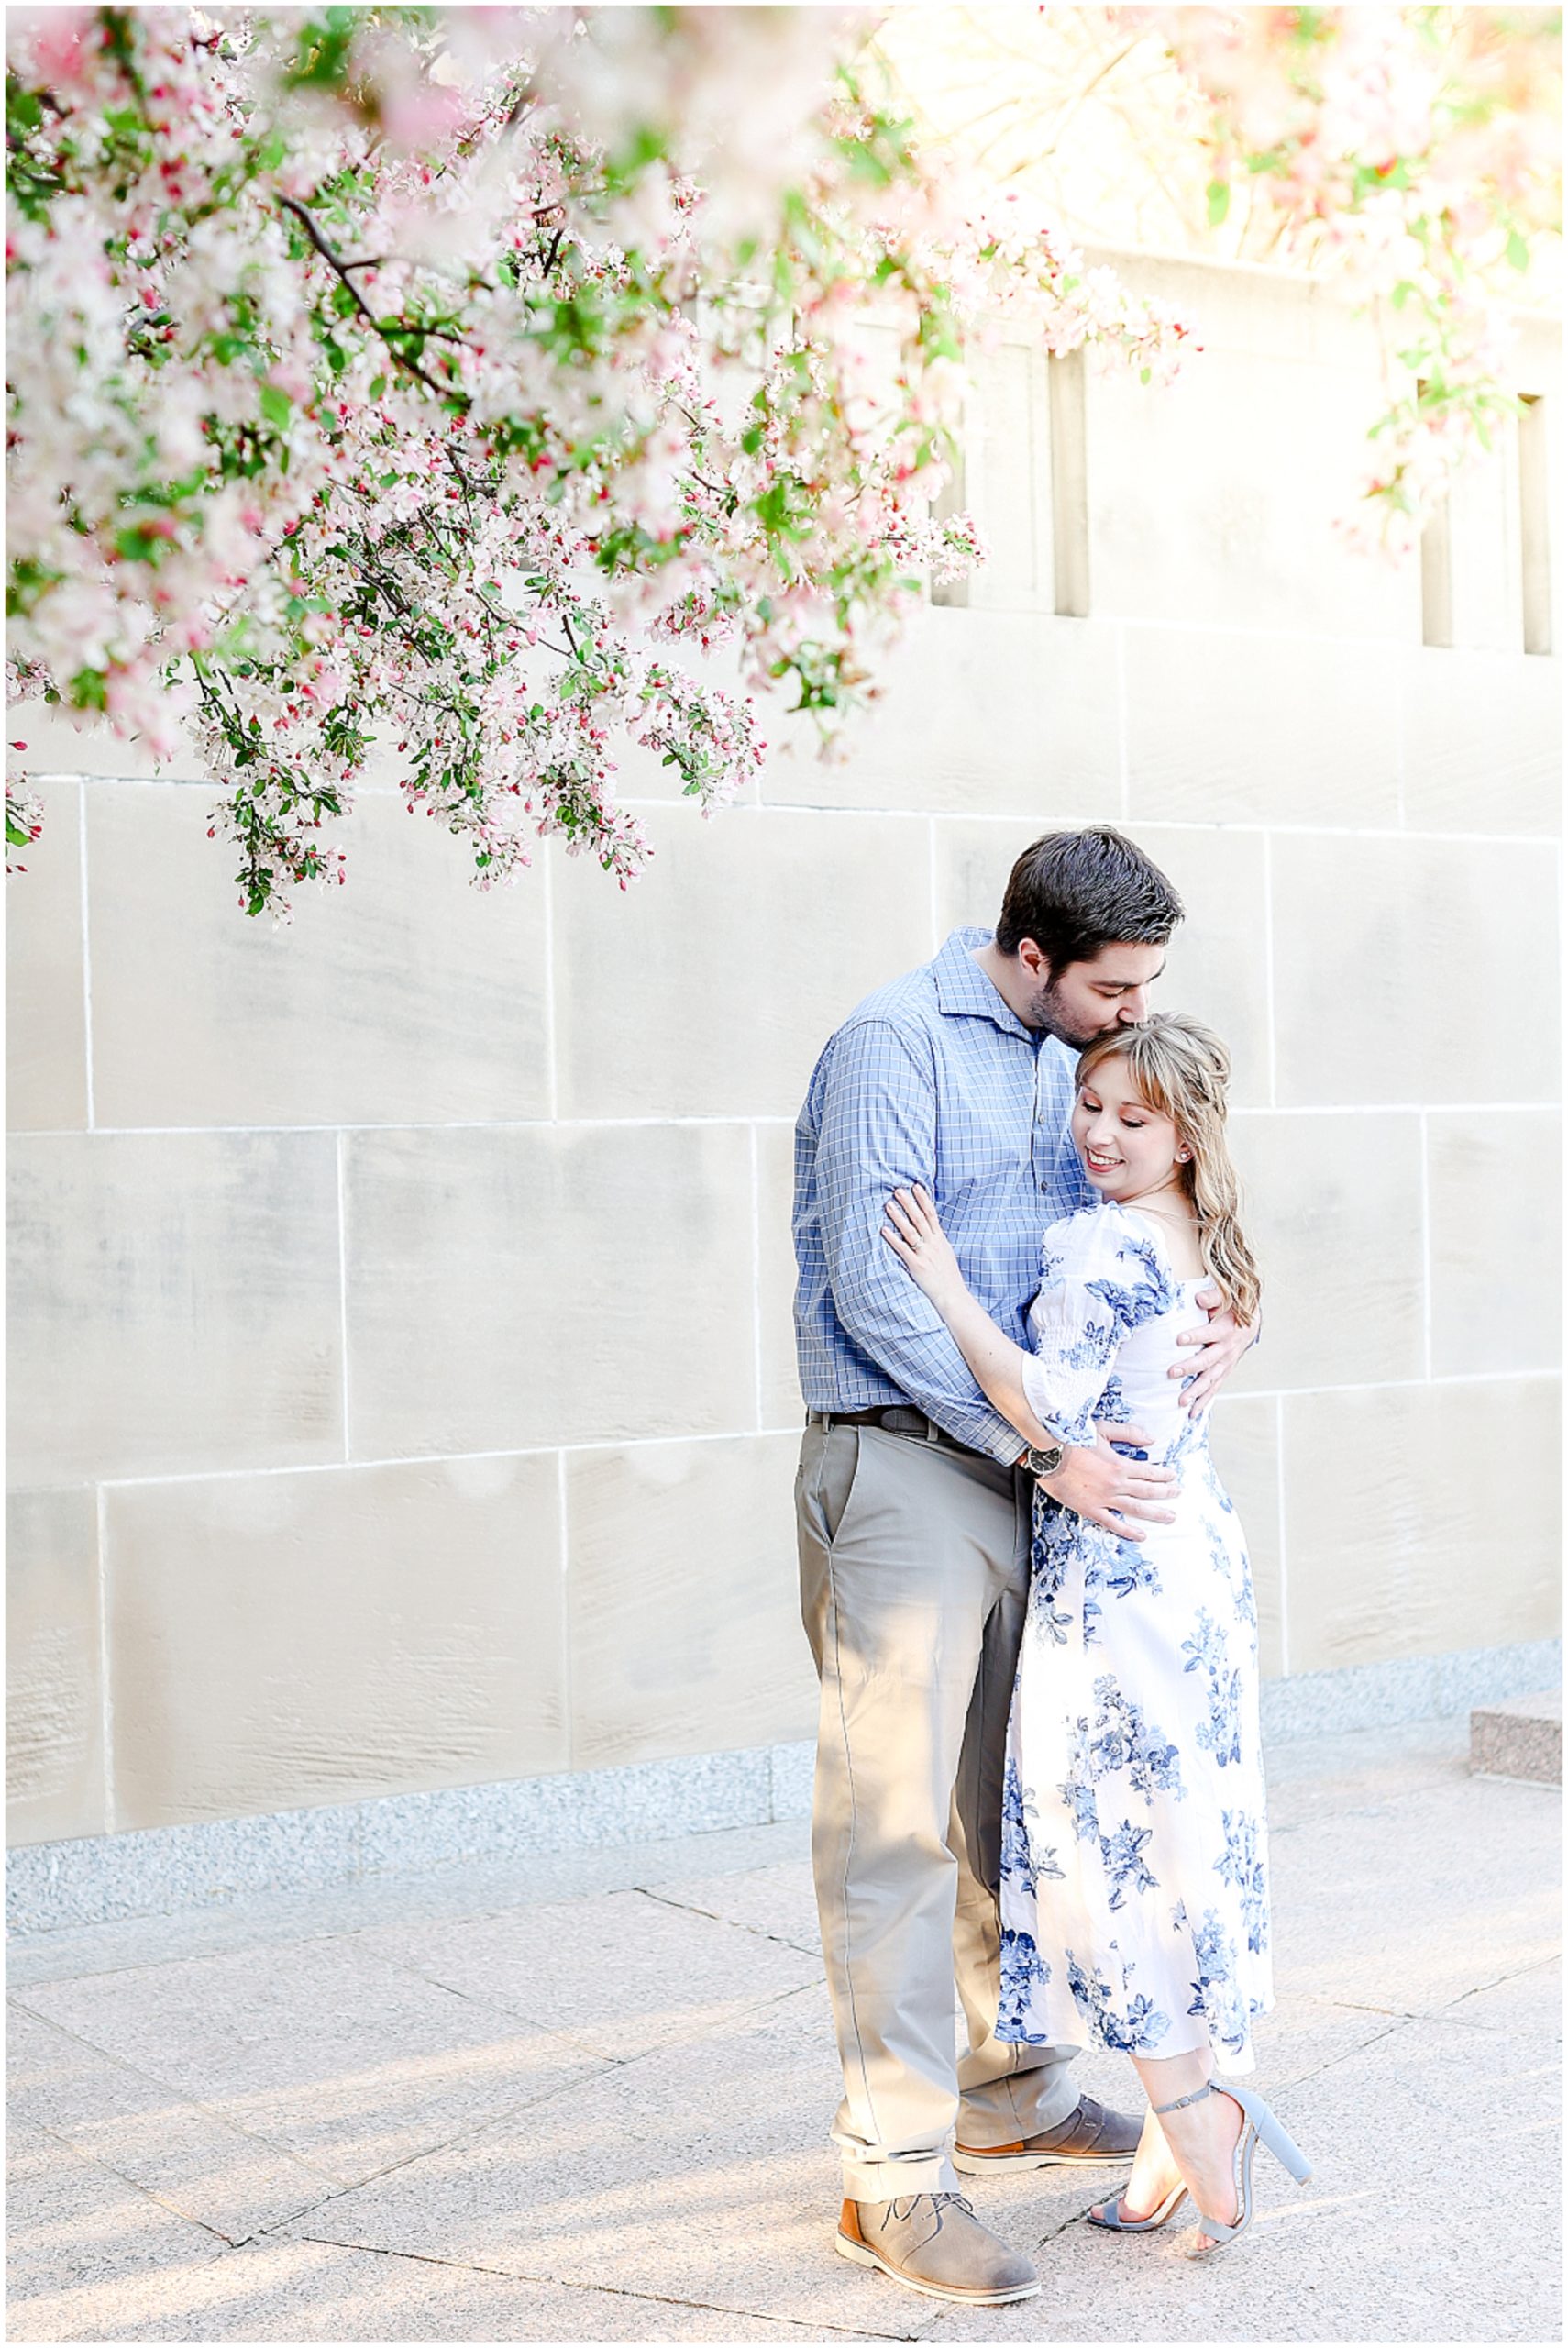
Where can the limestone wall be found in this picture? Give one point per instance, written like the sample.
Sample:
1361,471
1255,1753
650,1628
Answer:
402,1388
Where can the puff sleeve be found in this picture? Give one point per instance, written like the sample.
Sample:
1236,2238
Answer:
1075,1323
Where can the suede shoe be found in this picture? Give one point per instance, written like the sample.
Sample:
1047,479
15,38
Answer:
933,2242
1088,2138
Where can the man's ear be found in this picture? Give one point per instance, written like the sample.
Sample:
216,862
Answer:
1033,960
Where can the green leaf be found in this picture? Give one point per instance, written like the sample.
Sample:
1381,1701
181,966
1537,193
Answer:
1219,201
1517,250
276,407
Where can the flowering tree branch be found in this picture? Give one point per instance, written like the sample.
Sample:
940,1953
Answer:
449,387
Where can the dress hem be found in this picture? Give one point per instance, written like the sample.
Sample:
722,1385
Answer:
1226,2059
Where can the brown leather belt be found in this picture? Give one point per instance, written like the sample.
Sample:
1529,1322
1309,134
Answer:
896,1418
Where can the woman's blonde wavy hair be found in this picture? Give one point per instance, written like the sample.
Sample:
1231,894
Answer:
1181,1069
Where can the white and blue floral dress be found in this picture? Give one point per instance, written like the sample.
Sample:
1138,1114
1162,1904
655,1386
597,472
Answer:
1134,1897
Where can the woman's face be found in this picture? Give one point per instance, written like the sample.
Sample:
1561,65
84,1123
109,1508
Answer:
1126,1147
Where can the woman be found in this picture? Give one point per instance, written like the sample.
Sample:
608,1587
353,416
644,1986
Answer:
1133,1895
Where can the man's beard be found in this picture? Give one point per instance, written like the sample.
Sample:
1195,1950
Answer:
1045,1011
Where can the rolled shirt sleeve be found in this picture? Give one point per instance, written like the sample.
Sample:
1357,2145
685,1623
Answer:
877,1135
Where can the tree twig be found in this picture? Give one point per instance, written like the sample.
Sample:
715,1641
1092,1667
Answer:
335,262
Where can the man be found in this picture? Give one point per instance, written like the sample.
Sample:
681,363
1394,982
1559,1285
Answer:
914,1501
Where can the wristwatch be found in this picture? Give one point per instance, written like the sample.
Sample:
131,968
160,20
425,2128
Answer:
1043,1463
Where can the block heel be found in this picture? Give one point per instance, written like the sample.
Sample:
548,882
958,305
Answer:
1259,2126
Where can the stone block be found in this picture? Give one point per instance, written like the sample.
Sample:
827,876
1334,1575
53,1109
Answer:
1331,1206
629,2186
780,1403
981,713
685,1612
1483,741
54,1681
1398,1544
101,1881
74,2227
777,1902
1494,1189
1244,1441
710,988
175,1303
250,1674
296,2291
972,856
1521,1737
1483,518
1520,2004
197,2166
1007,477
318,2048
46,1025
1243,309
1467,1677
1238,728
405,995
1213,501
579,1811
71,742
1216,966
793,1774
530,1286
663,1973
1339,1936
1414,970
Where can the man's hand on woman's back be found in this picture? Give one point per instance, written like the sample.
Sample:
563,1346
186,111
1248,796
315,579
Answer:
1214,1349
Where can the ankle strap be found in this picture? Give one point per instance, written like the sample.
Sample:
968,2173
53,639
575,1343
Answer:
1182,2101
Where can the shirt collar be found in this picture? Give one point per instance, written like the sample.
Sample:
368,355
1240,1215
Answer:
964,992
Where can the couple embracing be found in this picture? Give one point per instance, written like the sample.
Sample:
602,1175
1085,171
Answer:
1023,1280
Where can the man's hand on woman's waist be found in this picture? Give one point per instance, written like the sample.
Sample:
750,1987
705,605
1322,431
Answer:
1108,1489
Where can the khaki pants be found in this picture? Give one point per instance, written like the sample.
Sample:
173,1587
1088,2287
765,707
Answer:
914,1575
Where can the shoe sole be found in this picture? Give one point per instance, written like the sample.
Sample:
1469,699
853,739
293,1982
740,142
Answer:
863,2256
981,2164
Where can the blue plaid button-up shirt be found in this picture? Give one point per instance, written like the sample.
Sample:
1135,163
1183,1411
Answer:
930,1079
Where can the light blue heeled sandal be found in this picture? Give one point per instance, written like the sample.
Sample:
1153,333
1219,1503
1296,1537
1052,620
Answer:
1259,2126
1115,2223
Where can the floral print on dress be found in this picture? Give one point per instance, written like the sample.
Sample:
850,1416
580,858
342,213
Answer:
1135,1714
1126,1868
1241,1863
1023,1971
1126,2023
1026,1858
1217,1994
1123,1740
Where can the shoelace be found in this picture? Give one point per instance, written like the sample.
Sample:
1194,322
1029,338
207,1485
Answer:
939,2202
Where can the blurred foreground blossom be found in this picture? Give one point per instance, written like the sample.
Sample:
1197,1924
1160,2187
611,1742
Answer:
1411,154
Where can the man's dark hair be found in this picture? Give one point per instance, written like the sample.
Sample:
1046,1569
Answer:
1074,892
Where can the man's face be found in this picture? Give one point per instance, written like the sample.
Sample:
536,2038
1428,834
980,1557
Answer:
1087,998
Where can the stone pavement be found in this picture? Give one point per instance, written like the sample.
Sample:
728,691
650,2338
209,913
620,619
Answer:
586,2098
